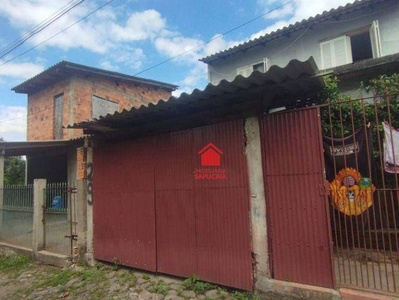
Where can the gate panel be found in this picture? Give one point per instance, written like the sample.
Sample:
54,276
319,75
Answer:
223,237
176,243
296,198
222,209
124,208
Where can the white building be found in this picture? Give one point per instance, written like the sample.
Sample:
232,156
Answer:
348,41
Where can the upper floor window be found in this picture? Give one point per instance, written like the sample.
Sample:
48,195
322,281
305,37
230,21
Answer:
102,107
352,47
262,66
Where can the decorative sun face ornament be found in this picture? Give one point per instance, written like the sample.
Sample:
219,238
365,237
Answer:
351,193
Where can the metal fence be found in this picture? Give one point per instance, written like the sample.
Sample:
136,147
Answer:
361,146
58,216
17,215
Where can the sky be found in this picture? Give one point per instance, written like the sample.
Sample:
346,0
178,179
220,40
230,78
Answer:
155,39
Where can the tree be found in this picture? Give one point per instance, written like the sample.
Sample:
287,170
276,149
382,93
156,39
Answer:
14,169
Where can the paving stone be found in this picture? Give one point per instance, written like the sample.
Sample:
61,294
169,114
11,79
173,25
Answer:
72,282
212,294
141,281
110,275
145,294
175,286
188,294
172,293
173,298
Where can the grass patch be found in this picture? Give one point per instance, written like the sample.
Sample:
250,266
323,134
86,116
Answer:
159,287
128,278
193,283
57,278
13,263
244,296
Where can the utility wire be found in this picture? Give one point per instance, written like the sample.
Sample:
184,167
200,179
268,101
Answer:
40,27
58,33
156,65
214,38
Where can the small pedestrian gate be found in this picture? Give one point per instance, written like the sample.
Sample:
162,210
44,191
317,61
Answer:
299,232
59,219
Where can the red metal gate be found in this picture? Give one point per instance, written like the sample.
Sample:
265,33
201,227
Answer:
175,209
299,232
176,204
124,204
202,215
222,208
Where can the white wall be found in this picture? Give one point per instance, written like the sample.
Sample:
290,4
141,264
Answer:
305,43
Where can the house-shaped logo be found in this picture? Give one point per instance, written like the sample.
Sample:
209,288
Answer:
210,156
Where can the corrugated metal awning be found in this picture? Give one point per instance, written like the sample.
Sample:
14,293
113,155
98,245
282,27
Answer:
242,97
38,147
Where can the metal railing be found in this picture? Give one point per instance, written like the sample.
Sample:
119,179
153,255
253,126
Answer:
362,167
17,215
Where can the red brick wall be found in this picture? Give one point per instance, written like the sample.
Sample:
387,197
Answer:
77,103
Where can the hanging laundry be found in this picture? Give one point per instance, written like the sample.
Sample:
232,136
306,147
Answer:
353,151
391,148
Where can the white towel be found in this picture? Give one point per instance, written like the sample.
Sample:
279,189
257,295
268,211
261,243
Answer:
391,148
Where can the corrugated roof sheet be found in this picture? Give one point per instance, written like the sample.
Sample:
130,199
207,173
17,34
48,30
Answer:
227,100
37,147
65,69
306,23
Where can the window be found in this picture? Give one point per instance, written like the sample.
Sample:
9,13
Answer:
262,66
102,107
58,115
352,47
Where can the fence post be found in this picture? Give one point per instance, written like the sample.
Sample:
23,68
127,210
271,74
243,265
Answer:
253,154
1,188
89,203
81,215
39,186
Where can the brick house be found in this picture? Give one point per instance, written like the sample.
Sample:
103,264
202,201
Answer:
69,93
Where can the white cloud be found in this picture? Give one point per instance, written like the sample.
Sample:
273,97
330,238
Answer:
187,50
140,26
20,70
13,123
294,12
282,12
128,56
90,34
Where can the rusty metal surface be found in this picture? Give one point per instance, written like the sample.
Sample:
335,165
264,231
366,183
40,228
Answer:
298,224
124,204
